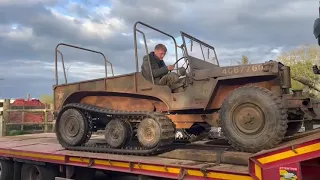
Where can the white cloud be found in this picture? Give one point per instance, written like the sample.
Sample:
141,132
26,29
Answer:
27,2
29,31
277,51
20,34
103,29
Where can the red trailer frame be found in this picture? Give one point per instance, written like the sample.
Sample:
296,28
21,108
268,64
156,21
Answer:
299,158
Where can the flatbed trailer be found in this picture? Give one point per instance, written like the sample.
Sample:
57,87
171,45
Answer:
25,156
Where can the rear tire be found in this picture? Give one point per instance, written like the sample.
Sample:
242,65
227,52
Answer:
31,172
6,170
252,119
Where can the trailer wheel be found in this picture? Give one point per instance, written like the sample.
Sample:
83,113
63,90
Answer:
6,169
35,172
82,173
252,119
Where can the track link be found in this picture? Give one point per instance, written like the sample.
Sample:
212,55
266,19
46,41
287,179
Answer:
166,125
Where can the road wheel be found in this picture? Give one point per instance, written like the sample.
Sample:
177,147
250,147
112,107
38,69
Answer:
72,127
118,133
6,170
35,172
149,132
252,119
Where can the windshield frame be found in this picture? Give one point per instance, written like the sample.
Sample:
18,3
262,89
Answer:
185,35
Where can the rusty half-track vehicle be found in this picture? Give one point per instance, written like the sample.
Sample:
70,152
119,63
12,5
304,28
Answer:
252,104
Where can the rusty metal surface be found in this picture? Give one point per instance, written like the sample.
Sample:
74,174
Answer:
119,84
46,143
120,103
195,96
224,88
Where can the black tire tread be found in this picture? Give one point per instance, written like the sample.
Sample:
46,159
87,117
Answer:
279,129
6,171
167,133
47,173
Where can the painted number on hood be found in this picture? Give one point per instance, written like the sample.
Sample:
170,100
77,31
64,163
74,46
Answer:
242,69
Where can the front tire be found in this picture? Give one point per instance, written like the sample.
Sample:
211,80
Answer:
252,119
72,127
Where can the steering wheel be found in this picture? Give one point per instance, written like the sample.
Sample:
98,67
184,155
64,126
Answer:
178,61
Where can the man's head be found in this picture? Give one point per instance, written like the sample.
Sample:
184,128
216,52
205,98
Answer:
160,51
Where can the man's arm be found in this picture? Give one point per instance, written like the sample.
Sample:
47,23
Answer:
157,72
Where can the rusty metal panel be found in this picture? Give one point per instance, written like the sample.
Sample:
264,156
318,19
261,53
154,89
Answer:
119,103
123,83
195,96
96,85
62,92
225,88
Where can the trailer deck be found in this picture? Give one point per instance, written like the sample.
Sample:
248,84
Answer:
183,163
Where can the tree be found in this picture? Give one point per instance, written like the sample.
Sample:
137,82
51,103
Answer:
244,60
301,61
45,98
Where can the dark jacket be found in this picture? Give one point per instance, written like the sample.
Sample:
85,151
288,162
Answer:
158,67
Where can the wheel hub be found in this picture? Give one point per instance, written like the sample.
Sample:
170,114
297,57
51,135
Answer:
149,133
249,118
114,133
72,127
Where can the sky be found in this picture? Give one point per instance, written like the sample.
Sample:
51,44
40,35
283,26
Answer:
30,31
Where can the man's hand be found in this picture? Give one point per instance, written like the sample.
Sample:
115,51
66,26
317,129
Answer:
170,67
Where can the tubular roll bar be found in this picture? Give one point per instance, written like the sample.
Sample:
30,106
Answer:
136,46
147,52
77,47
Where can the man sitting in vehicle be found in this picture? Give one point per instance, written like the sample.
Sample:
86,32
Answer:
159,68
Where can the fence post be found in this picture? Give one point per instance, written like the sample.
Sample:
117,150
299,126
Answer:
46,120
22,118
53,120
1,125
5,120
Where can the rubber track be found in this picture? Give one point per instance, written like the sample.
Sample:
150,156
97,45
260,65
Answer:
167,131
